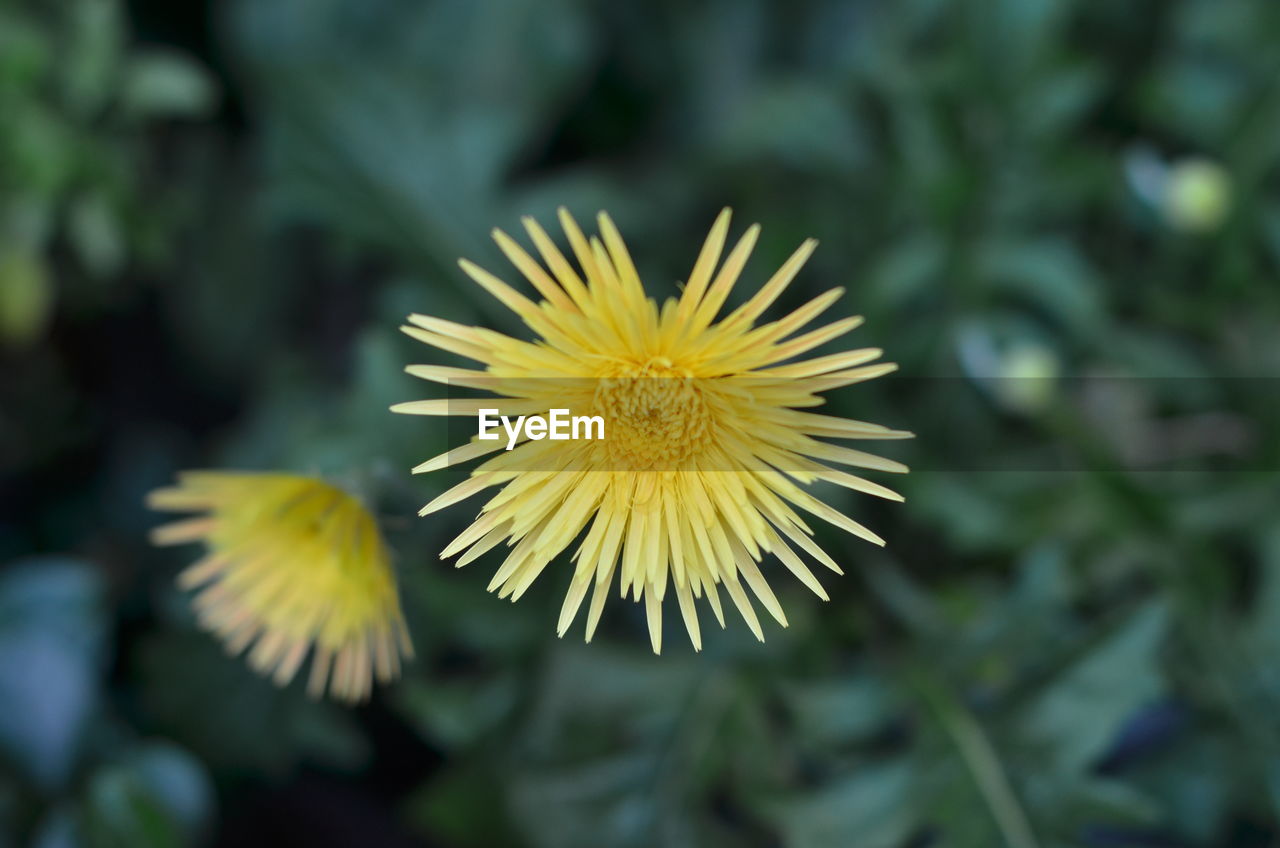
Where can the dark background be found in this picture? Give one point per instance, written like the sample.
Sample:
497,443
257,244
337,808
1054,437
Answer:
1061,218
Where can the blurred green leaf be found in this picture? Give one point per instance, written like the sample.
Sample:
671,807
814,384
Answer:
216,708
177,782
1060,100
405,158
26,296
119,813
840,711
24,49
1082,707
1190,780
39,148
908,270
577,781
873,807
51,632
456,714
1049,275
459,807
59,829
796,124
166,85
94,43
95,233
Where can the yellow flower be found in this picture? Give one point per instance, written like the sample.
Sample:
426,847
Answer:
291,561
704,427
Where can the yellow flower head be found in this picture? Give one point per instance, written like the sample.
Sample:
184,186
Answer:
705,437
291,561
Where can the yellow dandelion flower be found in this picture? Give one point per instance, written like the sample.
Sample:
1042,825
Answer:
706,430
292,561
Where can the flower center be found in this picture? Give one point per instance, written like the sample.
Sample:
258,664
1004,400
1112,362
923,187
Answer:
655,416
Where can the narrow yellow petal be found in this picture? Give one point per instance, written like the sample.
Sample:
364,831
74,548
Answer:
703,267
769,292
653,615
533,272
725,280
460,492
684,595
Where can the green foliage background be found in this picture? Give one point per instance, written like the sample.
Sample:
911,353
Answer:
213,217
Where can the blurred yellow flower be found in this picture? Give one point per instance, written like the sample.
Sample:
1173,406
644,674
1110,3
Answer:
292,562
689,488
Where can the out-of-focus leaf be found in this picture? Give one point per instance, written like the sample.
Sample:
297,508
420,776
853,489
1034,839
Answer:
459,808
595,803
639,687
325,733
29,219
1060,100
26,296
839,712
177,782
24,49
95,233
404,157
48,692
1271,230
972,517
158,797
907,273
51,630
1016,33
378,382
1049,275
1082,707
1191,782
468,614
61,828
9,805
454,714
95,32
873,807
1265,624
164,84
1148,356
610,763
1196,98
40,148
219,710
119,812
797,124
1069,807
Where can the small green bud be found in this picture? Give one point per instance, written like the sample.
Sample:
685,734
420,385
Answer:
1197,196
1028,378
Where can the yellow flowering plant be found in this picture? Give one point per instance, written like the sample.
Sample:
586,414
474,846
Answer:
294,565
708,429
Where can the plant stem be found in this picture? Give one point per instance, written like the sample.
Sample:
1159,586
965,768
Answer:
982,761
